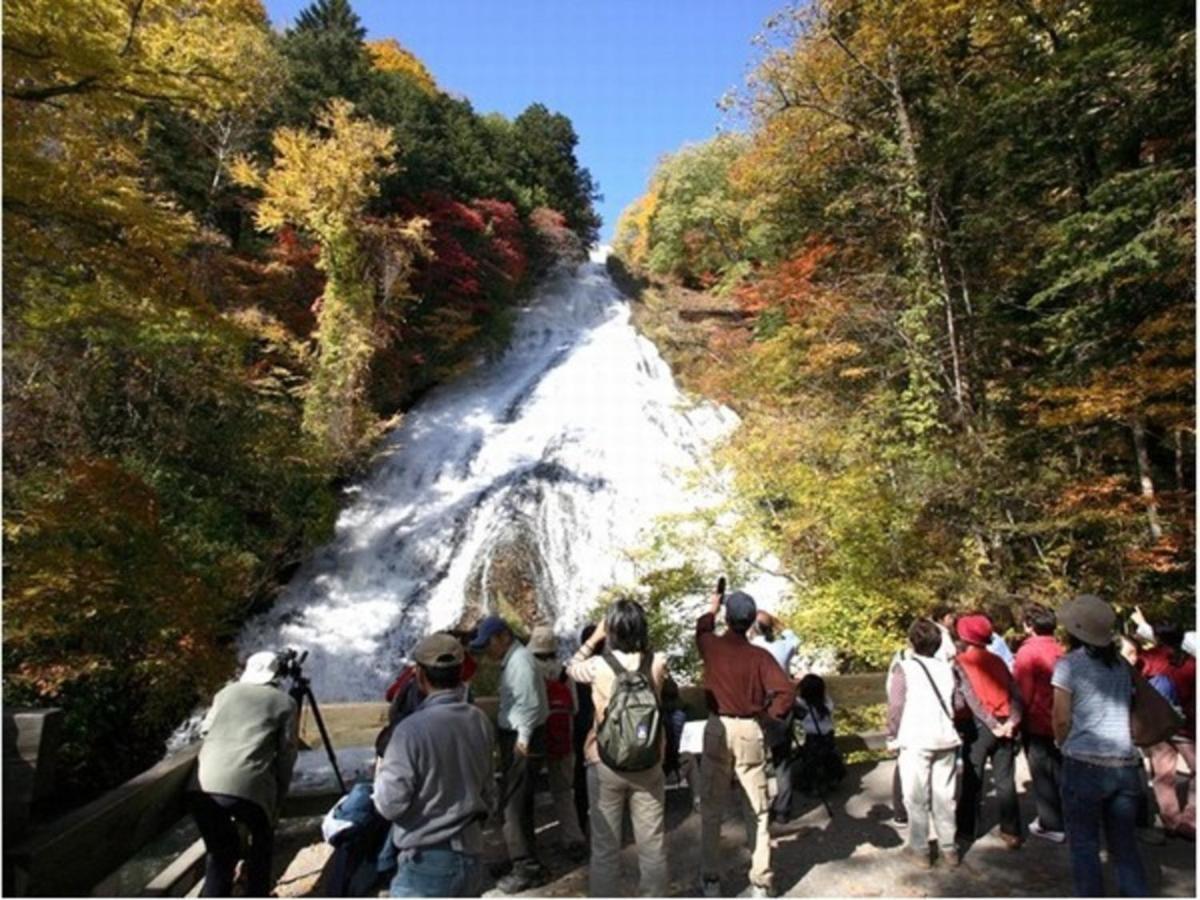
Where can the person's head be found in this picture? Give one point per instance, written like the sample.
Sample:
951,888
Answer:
1038,620
439,658
812,692
740,612
543,643
925,637
1001,617
625,627
585,634
762,624
1089,621
974,629
493,637
943,614
1168,634
261,668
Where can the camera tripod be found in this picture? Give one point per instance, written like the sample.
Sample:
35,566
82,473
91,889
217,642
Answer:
300,691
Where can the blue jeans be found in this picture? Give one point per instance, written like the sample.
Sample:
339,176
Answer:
1101,795
437,872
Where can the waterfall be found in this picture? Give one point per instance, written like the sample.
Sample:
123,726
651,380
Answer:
530,477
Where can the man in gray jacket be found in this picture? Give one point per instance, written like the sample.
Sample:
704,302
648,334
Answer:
435,781
244,769
521,721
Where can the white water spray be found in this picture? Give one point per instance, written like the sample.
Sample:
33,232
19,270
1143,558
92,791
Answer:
562,451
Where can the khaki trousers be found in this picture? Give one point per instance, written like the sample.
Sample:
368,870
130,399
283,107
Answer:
608,793
560,772
928,780
735,747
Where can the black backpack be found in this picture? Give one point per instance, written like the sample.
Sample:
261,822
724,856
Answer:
629,737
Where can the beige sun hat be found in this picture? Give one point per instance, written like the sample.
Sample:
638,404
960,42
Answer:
261,668
543,640
1088,618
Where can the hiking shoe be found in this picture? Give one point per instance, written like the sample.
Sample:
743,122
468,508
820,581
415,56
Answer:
1011,841
1036,829
524,876
710,887
500,869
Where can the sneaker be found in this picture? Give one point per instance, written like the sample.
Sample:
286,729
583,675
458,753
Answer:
952,855
900,821
500,869
711,887
1036,829
756,890
1011,841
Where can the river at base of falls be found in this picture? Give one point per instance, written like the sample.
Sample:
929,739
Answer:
552,460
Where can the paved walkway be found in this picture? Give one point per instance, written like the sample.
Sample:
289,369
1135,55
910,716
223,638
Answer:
857,853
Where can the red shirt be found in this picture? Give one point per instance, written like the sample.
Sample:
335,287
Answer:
739,678
1157,661
1033,667
468,672
989,678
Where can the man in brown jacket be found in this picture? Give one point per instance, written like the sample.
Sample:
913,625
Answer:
745,688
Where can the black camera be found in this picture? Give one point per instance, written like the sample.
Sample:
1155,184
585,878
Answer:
291,663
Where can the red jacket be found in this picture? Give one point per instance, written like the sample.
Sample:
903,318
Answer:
1033,667
1157,661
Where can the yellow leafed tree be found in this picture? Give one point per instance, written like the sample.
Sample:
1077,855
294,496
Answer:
388,56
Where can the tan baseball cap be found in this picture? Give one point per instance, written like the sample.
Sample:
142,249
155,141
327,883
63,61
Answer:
439,650
543,640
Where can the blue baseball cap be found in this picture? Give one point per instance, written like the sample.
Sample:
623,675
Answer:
740,607
488,629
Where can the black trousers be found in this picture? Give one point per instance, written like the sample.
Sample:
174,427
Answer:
517,791
981,746
1045,767
217,816
781,806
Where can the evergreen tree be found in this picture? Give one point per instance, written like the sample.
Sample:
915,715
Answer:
325,58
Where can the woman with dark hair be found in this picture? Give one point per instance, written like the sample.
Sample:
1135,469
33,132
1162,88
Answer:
614,677
1101,773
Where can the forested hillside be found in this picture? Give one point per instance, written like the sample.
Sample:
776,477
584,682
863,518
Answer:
231,256
955,246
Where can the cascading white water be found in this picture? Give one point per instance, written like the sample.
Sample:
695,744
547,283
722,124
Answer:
563,450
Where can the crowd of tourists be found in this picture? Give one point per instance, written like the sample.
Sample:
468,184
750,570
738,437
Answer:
606,728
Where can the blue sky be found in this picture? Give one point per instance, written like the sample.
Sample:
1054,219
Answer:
637,77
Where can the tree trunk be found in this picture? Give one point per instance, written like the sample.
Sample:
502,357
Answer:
1138,426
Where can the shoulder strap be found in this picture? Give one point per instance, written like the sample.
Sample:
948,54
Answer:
645,663
614,663
936,692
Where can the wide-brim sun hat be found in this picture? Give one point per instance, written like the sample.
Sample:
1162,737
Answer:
1089,619
261,668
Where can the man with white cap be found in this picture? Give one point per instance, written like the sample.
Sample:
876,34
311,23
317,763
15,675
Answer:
244,769
435,782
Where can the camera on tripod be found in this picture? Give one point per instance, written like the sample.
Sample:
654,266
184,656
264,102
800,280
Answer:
291,663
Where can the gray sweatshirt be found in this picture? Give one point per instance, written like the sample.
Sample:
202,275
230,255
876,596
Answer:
435,783
249,745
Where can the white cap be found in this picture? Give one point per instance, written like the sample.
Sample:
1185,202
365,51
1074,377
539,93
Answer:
1189,642
261,668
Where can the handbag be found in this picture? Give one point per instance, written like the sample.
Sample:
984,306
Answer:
1152,719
